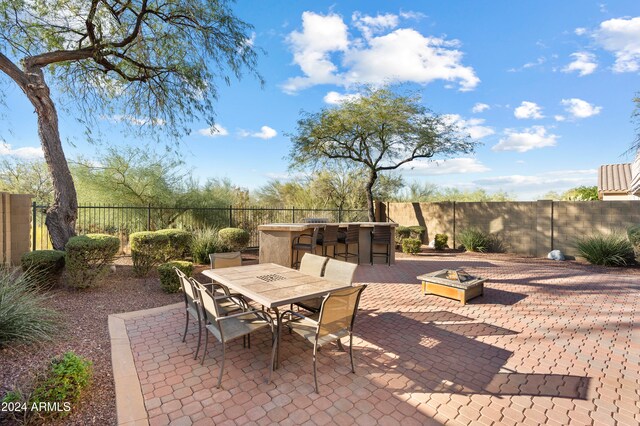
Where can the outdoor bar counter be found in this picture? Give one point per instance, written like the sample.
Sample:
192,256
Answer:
276,240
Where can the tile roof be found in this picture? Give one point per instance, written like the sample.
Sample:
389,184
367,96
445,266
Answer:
635,172
614,178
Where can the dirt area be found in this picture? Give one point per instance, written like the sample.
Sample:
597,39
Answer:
84,317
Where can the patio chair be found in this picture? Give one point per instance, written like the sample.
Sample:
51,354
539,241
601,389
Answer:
351,236
336,270
225,260
328,238
312,264
229,327
191,305
381,235
337,315
309,244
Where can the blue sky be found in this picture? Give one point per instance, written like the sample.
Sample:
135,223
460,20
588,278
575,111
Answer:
546,86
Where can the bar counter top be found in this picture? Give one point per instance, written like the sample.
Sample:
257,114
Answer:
304,226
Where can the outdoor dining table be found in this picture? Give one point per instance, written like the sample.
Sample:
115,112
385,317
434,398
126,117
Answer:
272,286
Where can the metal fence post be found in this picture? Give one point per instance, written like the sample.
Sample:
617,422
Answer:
230,216
339,214
149,217
293,215
33,226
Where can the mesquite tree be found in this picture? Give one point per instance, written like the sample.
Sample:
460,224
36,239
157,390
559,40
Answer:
147,63
379,131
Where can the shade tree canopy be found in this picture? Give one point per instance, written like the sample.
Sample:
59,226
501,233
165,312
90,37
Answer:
380,131
144,63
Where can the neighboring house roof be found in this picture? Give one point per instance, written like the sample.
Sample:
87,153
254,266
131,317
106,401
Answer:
614,178
635,173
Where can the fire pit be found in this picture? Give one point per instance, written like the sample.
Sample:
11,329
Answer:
452,283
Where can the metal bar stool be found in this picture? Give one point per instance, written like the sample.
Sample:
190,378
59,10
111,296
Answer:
381,235
350,237
297,245
328,238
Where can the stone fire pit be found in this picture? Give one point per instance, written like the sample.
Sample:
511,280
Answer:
452,283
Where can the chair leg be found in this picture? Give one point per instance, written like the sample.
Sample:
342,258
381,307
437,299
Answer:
221,365
199,338
274,347
249,341
315,373
186,326
353,369
206,343
340,345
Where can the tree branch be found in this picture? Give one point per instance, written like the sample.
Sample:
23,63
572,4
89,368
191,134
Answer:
13,71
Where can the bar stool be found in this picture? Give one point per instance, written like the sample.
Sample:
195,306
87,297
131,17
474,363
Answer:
329,237
381,235
351,236
297,245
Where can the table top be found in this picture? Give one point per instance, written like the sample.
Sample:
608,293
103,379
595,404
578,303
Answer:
305,226
272,285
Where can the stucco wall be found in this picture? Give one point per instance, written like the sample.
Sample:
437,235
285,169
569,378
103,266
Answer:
532,228
15,227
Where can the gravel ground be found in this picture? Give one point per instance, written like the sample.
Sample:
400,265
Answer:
85,329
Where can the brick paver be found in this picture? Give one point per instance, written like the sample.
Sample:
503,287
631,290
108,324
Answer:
543,345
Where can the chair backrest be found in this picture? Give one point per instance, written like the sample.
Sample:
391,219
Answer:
381,234
352,234
312,264
315,220
225,260
338,311
339,271
190,296
330,234
209,307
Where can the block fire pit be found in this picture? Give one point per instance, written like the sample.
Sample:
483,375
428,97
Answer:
453,284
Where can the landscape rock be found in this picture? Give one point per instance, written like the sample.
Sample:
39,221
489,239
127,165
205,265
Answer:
555,255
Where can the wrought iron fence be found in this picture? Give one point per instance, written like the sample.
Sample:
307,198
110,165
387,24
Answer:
123,220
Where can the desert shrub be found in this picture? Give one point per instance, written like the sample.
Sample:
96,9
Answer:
417,232
605,249
88,257
204,242
441,241
45,265
23,315
402,232
147,250
235,239
633,233
411,245
63,382
179,243
473,239
169,281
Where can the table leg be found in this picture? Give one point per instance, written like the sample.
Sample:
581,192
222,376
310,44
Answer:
276,362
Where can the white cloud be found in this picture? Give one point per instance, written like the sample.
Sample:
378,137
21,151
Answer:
451,166
479,107
559,117
541,60
326,55
473,126
580,31
558,180
621,37
531,138
579,108
584,62
335,98
214,132
528,110
27,152
265,133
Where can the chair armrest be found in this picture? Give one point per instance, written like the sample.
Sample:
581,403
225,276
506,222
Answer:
237,299
261,314
297,239
300,316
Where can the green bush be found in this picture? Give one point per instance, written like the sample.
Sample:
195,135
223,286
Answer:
605,249
147,250
474,239
88,258
23,315
402,232
441,241
411,245
418,232
169,281
633,233
62,384
45,265
204,242
179,244
235,239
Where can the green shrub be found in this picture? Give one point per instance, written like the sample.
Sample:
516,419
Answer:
605,249
62,384
411,245
45,265
88,258
23,315
402,232
474,239
441,241
169,281
235,239
418,232
633,233
179,244
147,250
204,242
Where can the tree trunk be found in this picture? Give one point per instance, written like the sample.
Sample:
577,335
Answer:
61,216
373,176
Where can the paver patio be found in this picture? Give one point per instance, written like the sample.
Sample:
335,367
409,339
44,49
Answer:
544,345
